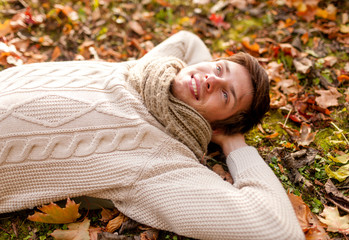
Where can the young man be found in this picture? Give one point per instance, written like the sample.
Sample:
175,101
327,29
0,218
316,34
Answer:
133,133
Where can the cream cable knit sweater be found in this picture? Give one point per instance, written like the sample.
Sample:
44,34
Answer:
76,128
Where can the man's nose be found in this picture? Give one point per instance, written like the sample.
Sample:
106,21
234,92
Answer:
212,82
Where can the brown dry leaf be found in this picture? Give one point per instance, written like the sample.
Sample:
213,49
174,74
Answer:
108,214
115,223
334,222
310,225
347,95
330,61
136,27
53,213
275,71
56,53
289,86
327,98
151,234
336,197
289,49
306,136
93,231
217,168
303,65
77,231
277,99
5,28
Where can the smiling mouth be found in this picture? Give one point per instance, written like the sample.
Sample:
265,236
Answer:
193,83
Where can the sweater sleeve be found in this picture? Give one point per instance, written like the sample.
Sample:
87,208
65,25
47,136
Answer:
184,45
178,194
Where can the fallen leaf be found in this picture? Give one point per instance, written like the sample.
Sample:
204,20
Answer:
303,65
93,232
334,222
217,168
308,221
115,223
136,27
252,47
151,234
289,49
108,214
327,98
336,197
53,213
77,231
56,53
329,61
342,78
341,174
341,159
5,28
218,21
306,135
289,86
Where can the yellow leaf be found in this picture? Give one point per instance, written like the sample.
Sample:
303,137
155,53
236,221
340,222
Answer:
5,28
77,231
334,222
341,174
53,213
341,159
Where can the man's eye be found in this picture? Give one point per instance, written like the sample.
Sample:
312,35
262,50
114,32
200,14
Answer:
225,95
219,69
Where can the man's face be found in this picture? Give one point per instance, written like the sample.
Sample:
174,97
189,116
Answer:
217,90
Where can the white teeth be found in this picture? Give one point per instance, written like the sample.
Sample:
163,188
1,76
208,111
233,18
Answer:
194,87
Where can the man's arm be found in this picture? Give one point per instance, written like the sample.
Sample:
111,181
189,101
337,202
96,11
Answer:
184,45
178,194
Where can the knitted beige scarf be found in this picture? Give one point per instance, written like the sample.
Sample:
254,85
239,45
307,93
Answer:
152,80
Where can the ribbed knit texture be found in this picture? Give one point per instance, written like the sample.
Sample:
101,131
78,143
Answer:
152,79
78,128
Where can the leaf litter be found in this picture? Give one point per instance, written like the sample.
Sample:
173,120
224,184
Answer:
303,45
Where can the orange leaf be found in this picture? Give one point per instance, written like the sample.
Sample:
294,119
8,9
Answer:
310,224
246,43
116,223
274,135
53,213
342,78
5,28
305,37
107,214
56,53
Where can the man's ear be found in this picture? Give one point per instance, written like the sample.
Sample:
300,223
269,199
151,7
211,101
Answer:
217,131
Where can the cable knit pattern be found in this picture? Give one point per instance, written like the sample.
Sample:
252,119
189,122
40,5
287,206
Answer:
74,129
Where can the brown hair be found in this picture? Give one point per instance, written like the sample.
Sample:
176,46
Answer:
245,120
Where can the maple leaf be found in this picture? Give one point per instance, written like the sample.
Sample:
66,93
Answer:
303,65
53,213
327,98
334,222
308,221
77,231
